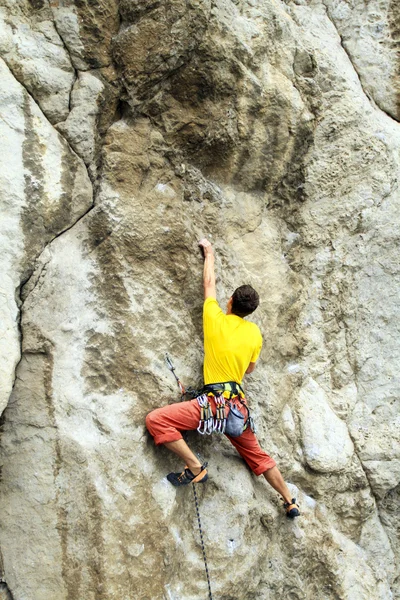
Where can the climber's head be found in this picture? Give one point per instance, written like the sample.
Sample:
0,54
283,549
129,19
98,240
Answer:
243,301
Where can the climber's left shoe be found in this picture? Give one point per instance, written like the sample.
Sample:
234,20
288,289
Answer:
187,476
292,509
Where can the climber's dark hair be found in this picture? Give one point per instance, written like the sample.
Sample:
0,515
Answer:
244,301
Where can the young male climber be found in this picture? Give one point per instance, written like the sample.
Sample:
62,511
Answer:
231,348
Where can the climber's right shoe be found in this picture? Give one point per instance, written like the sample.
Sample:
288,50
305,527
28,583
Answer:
292,509
187,476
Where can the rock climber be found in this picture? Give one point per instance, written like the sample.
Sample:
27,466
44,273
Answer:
231,348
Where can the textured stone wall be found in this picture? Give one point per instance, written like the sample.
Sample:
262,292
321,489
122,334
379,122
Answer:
129,130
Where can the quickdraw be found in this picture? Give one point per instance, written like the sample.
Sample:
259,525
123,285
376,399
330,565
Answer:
206,423
252,424
220,415
178,381
186,393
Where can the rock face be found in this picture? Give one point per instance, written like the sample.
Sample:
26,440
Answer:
370,34
130,130
45,188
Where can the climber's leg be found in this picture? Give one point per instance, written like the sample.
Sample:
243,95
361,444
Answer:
262,464
275,479
165,425
181,448
249,449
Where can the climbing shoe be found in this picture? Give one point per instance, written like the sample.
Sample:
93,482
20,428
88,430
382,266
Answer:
292,509
187,476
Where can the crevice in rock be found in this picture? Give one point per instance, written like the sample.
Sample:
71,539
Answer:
44,114
377,500
24,294
67,51
19,303
88,166
20,299
370,98
86,59
27,280
39,107
21,296
5,592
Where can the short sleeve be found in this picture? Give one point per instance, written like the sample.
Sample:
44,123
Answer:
211,312
257,348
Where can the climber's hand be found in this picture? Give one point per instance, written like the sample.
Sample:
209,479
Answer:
206,247
208,271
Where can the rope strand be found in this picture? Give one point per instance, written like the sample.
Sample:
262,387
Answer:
202,541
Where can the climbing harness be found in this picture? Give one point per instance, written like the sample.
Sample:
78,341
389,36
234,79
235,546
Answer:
196,502
236,423
228,388
233,425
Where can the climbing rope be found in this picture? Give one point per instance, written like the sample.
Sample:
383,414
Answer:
196,502
208,426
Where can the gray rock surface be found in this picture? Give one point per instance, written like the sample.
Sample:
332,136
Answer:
325,438
247,122
33,50
370,34
81,124
44,190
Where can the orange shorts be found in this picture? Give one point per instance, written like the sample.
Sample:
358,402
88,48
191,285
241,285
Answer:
165,425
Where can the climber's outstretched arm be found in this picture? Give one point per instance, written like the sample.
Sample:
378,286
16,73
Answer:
208,272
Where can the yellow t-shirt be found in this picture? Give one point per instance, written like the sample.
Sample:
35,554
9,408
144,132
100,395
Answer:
230,344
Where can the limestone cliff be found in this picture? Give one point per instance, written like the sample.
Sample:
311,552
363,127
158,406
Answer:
129,130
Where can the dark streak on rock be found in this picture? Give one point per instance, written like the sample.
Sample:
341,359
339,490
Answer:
389,515
1,555
32,154
71,575
41,223
394,25
190,89
291,187
48,389
98,23
37,4
96,542
111,358
5,593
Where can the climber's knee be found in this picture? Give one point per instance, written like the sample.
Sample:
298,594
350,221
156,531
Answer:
149,421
